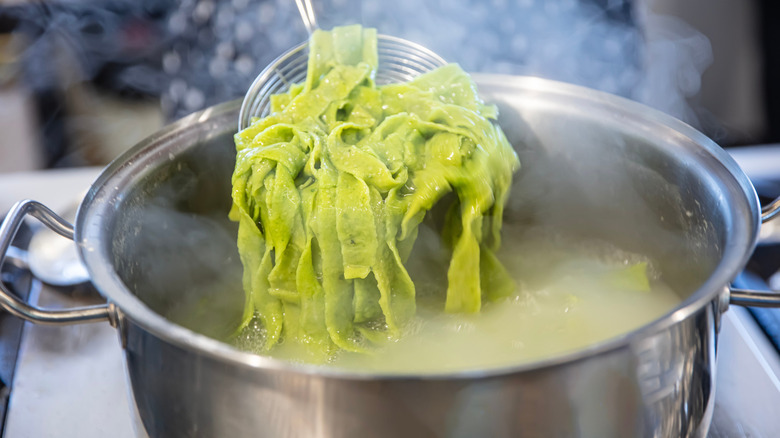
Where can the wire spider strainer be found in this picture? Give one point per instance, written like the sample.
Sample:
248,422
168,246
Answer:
400,60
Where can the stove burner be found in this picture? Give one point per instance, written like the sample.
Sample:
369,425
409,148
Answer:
18,280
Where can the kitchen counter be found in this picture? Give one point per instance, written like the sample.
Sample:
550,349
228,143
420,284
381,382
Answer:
71,381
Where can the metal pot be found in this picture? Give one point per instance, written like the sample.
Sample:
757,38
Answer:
153,234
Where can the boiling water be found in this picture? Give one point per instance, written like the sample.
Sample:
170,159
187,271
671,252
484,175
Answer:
570,295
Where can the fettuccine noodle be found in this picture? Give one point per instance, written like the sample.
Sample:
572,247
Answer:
330,188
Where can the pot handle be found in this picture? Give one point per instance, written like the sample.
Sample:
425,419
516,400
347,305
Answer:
769,211
754,298
21,309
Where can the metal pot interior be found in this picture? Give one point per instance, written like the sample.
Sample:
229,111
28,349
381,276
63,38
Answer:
173,244
154,227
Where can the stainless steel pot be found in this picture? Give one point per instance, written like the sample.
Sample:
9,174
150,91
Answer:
154,236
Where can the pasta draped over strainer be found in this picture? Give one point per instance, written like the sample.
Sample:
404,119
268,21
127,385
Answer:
330,188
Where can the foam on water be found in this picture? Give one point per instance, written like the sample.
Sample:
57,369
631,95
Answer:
567,299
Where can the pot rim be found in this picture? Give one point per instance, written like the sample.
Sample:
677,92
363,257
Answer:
105,193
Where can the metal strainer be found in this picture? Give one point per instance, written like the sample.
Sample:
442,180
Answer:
400,60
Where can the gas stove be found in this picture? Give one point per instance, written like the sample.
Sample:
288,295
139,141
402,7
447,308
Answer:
71,381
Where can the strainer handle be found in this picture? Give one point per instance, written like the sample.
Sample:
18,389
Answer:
306,9
332,13
17,307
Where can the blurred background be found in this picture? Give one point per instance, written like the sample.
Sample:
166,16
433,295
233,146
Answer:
81,81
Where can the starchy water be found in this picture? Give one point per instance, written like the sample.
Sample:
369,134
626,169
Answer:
571,295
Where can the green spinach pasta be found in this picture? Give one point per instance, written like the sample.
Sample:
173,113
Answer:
330,188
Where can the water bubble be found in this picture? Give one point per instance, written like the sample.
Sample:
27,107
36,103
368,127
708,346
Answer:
244,65
218,67
266,13
240,4
171,62
177,89
177,23
243,31
203,11
225,18
225,50
194,99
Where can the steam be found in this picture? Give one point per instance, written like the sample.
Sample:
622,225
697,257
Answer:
196,53
175,248
72,43
217,48
67,51
610,46
676,55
